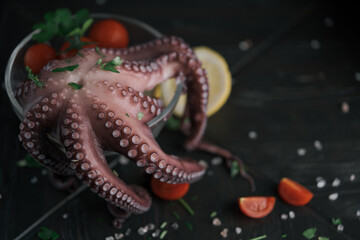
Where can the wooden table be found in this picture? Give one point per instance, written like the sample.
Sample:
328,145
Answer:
290,87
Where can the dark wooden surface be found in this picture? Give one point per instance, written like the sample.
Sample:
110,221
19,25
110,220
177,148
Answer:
286,91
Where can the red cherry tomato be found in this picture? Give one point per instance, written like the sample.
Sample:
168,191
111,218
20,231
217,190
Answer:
73,52
169,191
256,207
38,55
109,33
294,193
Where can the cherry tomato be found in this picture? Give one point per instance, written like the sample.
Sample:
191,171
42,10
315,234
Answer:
256,207
294,193
169,191
38,55
73,52
109,33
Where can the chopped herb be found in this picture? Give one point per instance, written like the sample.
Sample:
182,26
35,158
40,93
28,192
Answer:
186,206
28,161
97,49
34,77
259,237
163,225
48,234
189,225
68,60
309,233
75,85
235,169
173,123
213,214
336,221
284,236
99,61
323,238
67,68
110,66
115,172
163,234
80,55
140,115
176,215
127,114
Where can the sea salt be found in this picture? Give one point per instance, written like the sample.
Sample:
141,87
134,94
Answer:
216,161
318,178
301,151
252,135
238,230
352,177
291,215
224,232
328,22
110,238
118,236
333,196
156,233
284,216
65,216
34,180
175,226
340,227
315,44
321,183
358,213
345,108
336,182
150,226
216,222
245,45
357,76
142,230
318,146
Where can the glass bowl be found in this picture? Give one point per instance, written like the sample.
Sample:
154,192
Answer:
139,32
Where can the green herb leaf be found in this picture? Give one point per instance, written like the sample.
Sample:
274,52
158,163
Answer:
186,206
259,237
99,61
323,238
173,123
28,161
336,221
140,115
163,225
110,66
75,85
176,215
213,214
163,234
48,234
34,77
189,225
97,50
284,236
235,169
79,54
67,68
309,233
127,114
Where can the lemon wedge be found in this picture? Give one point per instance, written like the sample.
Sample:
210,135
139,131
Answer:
219,77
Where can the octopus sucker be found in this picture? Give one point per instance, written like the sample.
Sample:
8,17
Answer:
109,112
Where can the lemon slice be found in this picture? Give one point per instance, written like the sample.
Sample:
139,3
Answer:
219,82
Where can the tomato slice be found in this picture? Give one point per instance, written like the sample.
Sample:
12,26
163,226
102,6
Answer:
109,33
38,55
294,193
169,191
73,52
256,207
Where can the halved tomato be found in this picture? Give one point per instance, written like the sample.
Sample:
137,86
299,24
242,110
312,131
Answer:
169,191
38,55
256,207
294,193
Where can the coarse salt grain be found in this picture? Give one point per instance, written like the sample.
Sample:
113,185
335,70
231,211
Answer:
345,108
156,233
175,226
357,76
65,216
318,146
352,177
358,213
216,222
216,161
34,180
245,45
333,196
224,232
318,178
336,182
238,230
118,236
252,135
110,238
321,183
291,215
284,216
340,227
150,226
142,230
301,151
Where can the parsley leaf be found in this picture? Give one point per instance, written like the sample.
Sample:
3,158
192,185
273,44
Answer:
110,66
67,68
34,77
336,221
28,161
284,236
127,114
140,115
48,234
309,233
75,85
235,169
97,50
259,237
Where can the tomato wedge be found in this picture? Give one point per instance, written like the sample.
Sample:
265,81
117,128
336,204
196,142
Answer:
109,33
256,207
294,193
38,55
73,52
168,191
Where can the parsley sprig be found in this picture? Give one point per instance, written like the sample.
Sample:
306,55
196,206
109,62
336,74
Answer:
48,234
75,85
67,68
110,66
34,77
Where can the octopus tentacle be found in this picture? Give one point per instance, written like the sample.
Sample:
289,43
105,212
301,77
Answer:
87,159
38,122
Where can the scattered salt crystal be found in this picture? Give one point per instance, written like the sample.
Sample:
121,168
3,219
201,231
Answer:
175,226
150,226
252,135
291,215
345,108
284,216
216,161
203,163
34,180
224,232
333,196
238,230
352,177
340,227
156,233
110,238
65,215
216,222
142,230
245,44
128,231
301,151
118,236
336,182
315,44
358,213
123,160
321,183
43,172
318,146
328,22
357,76
318,178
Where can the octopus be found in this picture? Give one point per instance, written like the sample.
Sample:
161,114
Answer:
88,109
